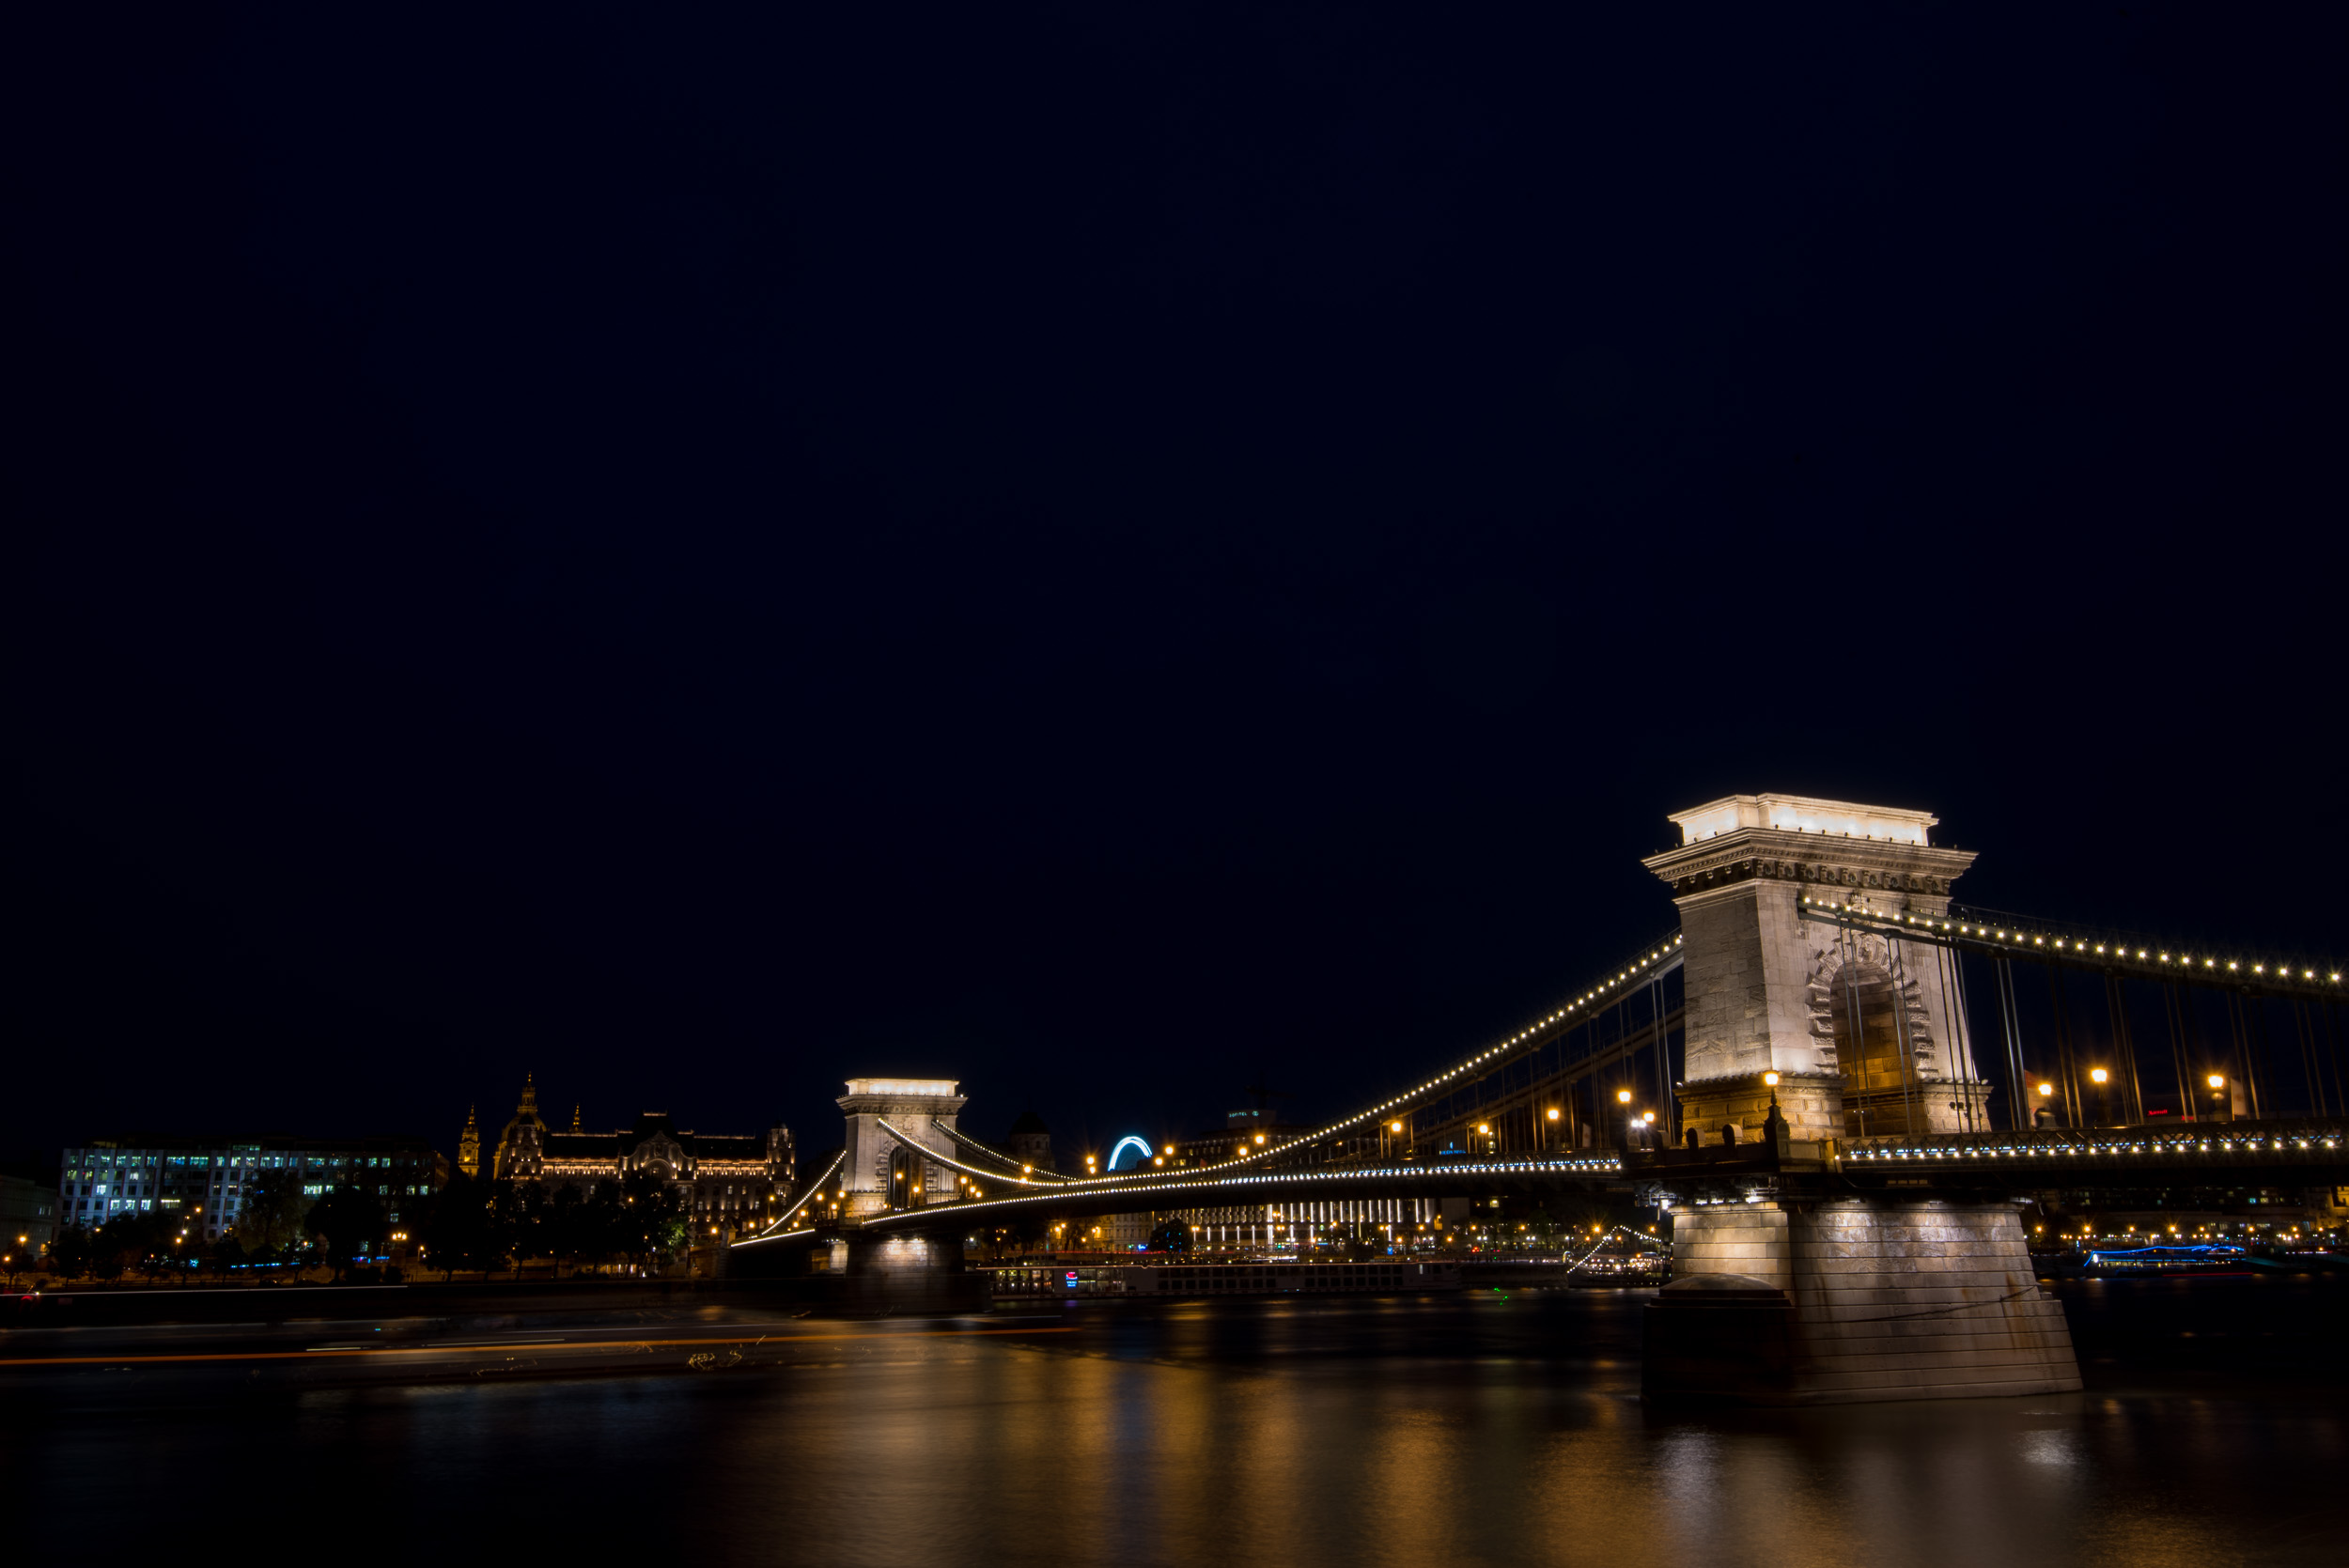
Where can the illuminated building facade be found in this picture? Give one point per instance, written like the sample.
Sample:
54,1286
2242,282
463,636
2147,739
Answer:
1257,1226
469,1145
526,1122
728,1181
206,1179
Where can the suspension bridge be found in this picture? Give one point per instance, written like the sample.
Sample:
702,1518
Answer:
1793,1073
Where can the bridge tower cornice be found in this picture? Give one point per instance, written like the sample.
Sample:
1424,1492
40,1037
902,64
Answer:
1879,875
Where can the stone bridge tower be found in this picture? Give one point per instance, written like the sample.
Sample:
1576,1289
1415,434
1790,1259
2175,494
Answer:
1865,1034
879,1172
1803,1291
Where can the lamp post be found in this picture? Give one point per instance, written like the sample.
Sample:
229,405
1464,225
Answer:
2046,1114
2222,1107
2101,1078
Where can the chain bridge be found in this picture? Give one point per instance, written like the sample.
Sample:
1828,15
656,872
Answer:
1793,1075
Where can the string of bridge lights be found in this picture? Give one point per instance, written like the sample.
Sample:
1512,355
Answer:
1608,990
1204,1181
1608,1165
2189,1144
814,1188
2080,946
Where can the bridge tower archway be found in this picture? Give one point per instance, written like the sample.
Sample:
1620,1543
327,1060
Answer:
1874,1051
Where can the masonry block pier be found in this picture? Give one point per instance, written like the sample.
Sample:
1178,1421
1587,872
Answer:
905,1272
1849,1300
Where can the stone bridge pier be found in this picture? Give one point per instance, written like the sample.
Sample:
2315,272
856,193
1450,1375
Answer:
1807,1294
1846,1300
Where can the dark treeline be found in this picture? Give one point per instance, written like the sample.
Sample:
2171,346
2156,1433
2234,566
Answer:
468,1226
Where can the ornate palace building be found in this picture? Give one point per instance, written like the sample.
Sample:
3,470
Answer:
729,1181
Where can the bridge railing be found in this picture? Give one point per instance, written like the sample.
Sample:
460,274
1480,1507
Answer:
2295,1139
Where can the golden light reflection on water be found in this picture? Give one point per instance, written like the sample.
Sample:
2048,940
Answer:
1152,1442
1345,1431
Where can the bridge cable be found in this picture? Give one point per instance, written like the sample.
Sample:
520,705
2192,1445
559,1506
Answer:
2066,1068
988,1151
2177,1055
814,1188
2332,1050
1844,945
1896,970
1961,1035
2020,1111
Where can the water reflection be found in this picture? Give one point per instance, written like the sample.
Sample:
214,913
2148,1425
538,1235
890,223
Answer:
1461,1430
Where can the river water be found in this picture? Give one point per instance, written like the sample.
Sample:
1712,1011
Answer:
1484,1428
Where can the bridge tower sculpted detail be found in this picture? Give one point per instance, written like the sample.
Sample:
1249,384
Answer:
1864,1033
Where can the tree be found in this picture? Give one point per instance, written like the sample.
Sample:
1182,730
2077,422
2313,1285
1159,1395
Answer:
349,1219
274,1213
70,1254
1172,1235
650,1223
131,1241
565,1217
600,1222
460,1231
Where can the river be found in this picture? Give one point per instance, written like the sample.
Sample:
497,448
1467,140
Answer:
1488,1427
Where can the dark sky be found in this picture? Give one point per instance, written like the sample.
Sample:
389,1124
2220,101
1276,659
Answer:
1105,551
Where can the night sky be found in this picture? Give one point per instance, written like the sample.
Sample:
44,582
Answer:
1107,551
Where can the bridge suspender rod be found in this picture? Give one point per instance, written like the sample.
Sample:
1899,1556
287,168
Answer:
2124,1041
2067,1077
1899,971
2170,1004
2332,1053
1614,1055
2316,1060
1961,1048
1666,1103
2018,1091
2239,1027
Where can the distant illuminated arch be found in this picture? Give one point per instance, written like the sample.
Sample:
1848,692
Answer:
1141,1147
